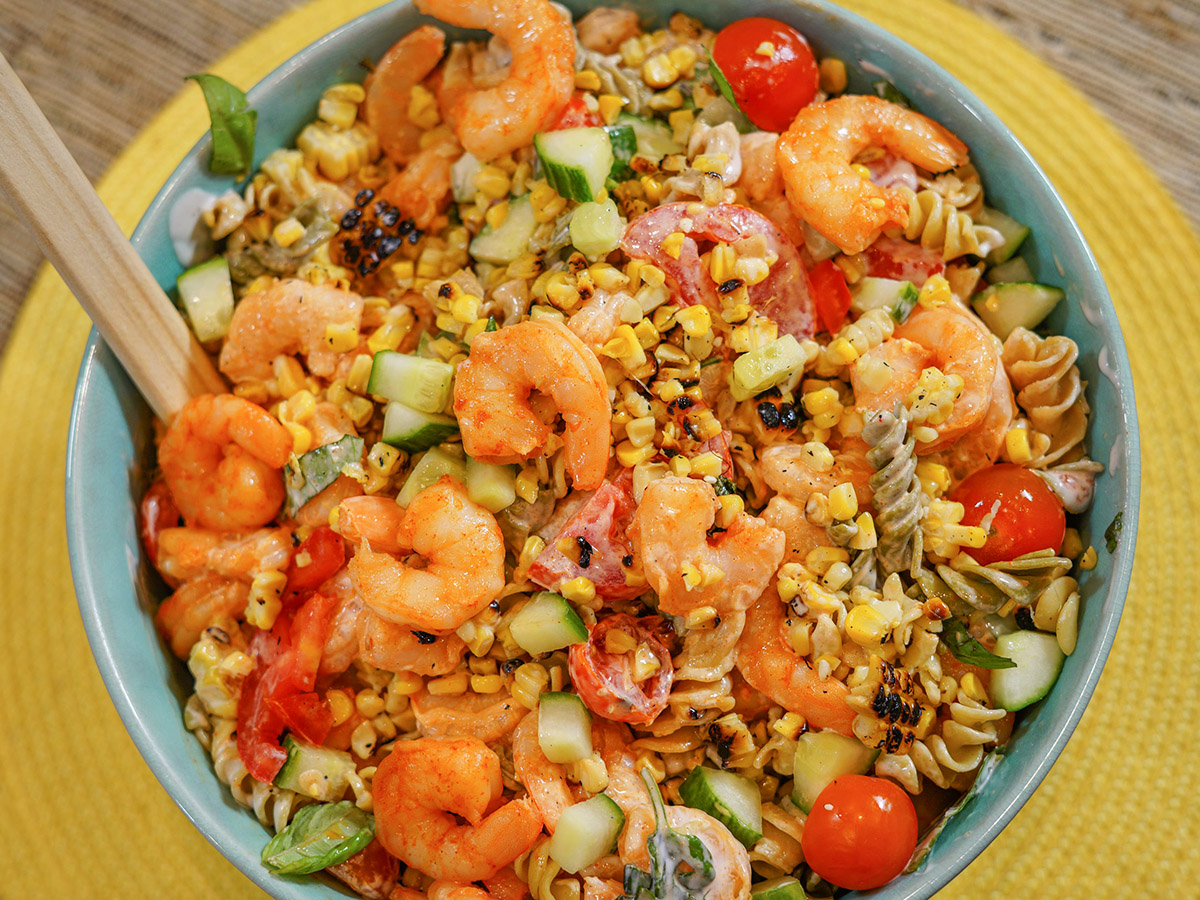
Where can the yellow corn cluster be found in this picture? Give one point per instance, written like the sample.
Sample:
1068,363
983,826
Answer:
931,401
338,153
944,534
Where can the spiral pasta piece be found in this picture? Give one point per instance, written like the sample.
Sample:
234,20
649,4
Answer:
1050,392
898,496
939,225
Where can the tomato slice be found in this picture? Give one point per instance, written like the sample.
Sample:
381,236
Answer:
1029,516
830,294
327,553
605,680
158,512
576,115
595,538
861,832
277,695
770,69
903,261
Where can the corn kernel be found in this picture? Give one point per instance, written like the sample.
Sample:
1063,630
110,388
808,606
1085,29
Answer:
843,502
659,72
934,478
681,121
629,455
618,642
368,703
866,538
666,100
406,683
731,506
363,740
683,58
496,214
341,338
710,574
1016,445
935,292
800,637
924,724
340,706
302,438
837,576
579,590
640,432
466,309
787,588
751,270
832,73
645,663
819,456
287,232
695,320
707,465
289,376
487,684
672,244
692,576
386,337
632,52
700,616
789,725
527,485
973,688
841,352
1087,562
264,604
1072,545
610,106
587,81
449,685
862,171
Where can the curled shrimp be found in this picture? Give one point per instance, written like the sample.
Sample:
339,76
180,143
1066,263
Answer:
197,604
545,781
422,190
186,553
979,447
791,470
497,120
492,393
815,154
626,789
423,785
389,89
221,459
370,519
464,553
945,337
289,317
802,535
485,717
670,535
768,663
731,861
397,648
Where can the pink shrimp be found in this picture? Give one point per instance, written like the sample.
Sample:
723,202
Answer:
370,519
197,604
186,553
545,781
389,89
485,717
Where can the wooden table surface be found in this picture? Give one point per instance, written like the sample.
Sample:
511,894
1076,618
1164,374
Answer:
100,69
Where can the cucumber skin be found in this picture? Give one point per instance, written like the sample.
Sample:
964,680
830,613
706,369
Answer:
564,851
1009,690
290,771
805,791
696,794
547,610
571,711
319,468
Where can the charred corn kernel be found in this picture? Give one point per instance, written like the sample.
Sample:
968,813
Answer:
629,455
1016,445
934,478
1087,562
264,604
731,506
645,663
496,214
386,337
692,576
672,244
562,291
640,432
487,684
466,309
924,724
302,438
579,590
287,232
618,642
681,121
340,705
721,261
592,774
289,376
751,270
800,638
707,465
363,740
832,74
609,106
527,485
670,391
587,81
865,539
843,502
659,72
935,291
973,688
789,725
368,703
341,338
666,100
695,320
700,616
683,58
449,685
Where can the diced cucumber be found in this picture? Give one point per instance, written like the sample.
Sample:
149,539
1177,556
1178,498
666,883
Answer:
761,369
732,800
423,384
432,466
564,727
655,138
783,888
546,623
1016,269
318,469
585,832
822,756
596,228
412,430
504,244
332,770
462,178
492,487
576,160
883,293
1013,232
206,295
1039,660
624,147
1005,306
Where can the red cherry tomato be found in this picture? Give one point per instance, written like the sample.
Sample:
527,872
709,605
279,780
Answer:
1030,516
861,832
576,115
830,294
605,680
326,553
158,512
903,260
769,68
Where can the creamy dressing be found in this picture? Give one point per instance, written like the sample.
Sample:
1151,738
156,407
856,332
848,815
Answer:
185,223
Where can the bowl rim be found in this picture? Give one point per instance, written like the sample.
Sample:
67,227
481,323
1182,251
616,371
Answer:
198,806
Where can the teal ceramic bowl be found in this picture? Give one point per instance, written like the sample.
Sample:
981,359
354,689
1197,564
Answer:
110,449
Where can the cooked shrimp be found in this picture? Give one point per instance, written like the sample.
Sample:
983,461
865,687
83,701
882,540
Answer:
731,862
370,519
604,29
602,889
317,511
492,398
287,318
497,120
596,320
464,553
791,470
626,789
485,717
197,604
422,190
815,154
451,890
423,785
767,661
221,458
763,183
396,648
330,422
346,628
980,446
950,339
186,553
545,781
389,90
687,568
802,535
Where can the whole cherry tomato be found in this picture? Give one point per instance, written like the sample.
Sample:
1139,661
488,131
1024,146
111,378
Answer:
769,68
1029,517
861,832
605,680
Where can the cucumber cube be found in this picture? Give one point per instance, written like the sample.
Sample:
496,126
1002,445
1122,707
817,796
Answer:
564,727
492,487
822,756
423,384
206,295
586,832
547,623
432,466
732,800
784,888
762,369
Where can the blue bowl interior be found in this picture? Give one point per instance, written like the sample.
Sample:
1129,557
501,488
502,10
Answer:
110,452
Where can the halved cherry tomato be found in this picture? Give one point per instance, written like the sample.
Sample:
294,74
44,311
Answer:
1030,516
861,832
770,69
830,294
277,695
576,115
605,680
903,260
326,552
158,512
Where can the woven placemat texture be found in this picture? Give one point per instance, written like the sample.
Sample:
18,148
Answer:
1114,819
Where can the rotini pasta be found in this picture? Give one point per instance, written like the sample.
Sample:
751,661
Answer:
937,224
898,495
1050,391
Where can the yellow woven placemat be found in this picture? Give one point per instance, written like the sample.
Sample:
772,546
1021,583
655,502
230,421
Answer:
83,817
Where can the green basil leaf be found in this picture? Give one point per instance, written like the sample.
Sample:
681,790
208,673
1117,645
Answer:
233,125
724,485
681,866
966,649
722,83
320,836
1113,532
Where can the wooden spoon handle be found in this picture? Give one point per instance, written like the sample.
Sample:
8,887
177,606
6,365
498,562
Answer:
81,239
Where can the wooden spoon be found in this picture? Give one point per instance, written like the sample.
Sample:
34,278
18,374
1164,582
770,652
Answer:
81,239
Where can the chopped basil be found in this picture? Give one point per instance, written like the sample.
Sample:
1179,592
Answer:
307,476
681,867
233,125
724,485
722,83
891,93
321,835
491,324
1113,532
968,650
